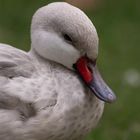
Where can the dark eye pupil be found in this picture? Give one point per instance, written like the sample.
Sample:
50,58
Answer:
67,38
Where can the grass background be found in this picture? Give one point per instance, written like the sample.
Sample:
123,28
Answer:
118,26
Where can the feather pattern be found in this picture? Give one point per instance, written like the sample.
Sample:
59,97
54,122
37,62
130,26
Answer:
41,97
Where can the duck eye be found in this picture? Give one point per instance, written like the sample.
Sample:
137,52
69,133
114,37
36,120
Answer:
67,38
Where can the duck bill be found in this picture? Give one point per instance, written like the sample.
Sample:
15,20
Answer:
100,88
88,71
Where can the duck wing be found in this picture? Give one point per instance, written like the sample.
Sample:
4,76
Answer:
14,62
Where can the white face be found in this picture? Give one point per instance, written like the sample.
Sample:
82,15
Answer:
63,36
51,46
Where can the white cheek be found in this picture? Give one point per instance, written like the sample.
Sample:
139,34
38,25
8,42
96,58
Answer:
52,47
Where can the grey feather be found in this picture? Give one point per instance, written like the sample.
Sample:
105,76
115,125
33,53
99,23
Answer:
8,102
14,62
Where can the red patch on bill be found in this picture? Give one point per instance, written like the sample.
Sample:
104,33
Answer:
83,69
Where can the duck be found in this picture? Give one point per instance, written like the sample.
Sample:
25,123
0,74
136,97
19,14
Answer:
55,90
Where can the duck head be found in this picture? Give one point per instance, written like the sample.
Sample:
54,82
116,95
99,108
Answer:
64,34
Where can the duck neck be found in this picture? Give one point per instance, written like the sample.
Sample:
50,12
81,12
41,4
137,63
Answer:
41,60
36,56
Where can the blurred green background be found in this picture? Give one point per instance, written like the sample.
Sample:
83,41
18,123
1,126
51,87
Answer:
118,26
